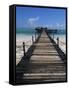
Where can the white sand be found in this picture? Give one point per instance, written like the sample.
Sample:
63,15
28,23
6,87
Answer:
19,45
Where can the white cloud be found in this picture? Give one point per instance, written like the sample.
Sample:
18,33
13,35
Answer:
55,26
59,25
32,21
49,26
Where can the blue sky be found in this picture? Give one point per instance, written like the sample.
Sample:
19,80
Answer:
46,17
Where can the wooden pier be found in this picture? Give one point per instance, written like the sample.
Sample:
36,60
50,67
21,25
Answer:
43,62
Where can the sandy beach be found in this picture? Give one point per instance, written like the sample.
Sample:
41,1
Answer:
19,45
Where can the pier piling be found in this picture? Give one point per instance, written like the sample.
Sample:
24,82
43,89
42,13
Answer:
58,41
53,36
35,36
32,39
24,48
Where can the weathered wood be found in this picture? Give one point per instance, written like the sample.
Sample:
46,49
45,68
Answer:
44,63
58,41
35,36
24,48
32,39
53,35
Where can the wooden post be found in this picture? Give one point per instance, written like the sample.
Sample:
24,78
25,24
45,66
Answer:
32,39
35,36
58,41
53,36
24,48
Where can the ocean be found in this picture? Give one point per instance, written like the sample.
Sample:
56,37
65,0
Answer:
29,31
26,31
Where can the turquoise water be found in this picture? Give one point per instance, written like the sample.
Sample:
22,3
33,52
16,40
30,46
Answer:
26,31
31,31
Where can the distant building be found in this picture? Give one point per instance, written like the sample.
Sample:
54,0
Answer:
40,29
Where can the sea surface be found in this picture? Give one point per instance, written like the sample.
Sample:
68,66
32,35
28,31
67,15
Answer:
31,31
26,33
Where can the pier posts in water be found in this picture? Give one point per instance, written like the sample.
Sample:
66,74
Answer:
35,36
32,39
58,41
53,36
24,48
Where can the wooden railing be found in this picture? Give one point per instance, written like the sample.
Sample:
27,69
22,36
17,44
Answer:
25,43
58,41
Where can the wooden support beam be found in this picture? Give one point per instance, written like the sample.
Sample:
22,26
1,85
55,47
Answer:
24,48
53,36
35,36
58,41
32,39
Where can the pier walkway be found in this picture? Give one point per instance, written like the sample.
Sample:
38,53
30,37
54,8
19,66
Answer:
43,62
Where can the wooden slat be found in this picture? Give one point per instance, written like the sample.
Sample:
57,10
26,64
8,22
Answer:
44,64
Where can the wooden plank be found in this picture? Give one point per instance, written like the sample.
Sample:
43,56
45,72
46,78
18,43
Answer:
44,57
45,51
44,64
48,76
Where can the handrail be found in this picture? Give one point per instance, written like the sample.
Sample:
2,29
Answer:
63,43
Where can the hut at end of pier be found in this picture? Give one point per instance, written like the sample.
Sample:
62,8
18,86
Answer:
40,29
